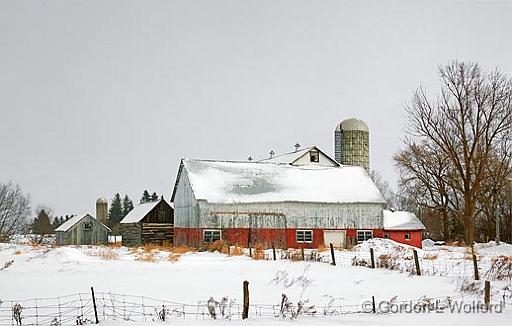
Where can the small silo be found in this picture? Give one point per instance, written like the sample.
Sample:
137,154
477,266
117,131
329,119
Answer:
352,143
102,210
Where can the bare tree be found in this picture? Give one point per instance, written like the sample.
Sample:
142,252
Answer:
385,190
466,124
14,210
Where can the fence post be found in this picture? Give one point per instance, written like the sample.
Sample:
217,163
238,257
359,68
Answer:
487,294
372,258
274,251
417,263
302,253
475,267
374,310
332,254
250,251
94,305
245,312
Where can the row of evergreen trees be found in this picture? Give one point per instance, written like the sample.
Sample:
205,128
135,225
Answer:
119,208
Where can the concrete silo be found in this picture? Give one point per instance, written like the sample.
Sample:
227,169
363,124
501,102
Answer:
102,210
352,143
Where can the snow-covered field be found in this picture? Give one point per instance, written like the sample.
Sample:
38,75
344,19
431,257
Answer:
337,292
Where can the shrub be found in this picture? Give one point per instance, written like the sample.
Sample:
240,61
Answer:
236,251
501,268
219,245
182,249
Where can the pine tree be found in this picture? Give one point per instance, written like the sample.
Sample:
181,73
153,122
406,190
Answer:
56,222
41,224
127,205
154,197
146,198
115,213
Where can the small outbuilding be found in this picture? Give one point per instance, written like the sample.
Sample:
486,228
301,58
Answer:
82,230
403,227
151,222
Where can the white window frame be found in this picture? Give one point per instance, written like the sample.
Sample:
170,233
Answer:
407,236
212,230
303,236
314,154
365,232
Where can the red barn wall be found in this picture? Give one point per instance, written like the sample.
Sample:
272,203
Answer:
399,236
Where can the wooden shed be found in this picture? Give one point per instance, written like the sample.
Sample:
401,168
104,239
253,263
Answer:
82,230
148,223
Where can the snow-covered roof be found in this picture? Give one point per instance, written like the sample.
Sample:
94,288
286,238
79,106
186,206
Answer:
401,220
287,157
74,220
139,212
228,182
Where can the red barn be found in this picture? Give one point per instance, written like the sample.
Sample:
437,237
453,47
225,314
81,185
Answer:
403,227
302,199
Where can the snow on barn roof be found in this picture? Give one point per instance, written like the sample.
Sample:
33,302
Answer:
139,212
401,220
72,221
228,182
291,157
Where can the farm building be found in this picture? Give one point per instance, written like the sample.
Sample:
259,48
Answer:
82,230
403,227
148,223
299,199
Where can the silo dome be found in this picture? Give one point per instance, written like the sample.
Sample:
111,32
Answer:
352,124
102,200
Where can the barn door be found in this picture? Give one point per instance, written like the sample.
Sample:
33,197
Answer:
336,237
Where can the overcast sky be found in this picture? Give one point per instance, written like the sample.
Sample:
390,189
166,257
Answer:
98,97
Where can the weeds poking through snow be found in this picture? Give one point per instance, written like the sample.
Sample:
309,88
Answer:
16,313
501,269
7,265
289,310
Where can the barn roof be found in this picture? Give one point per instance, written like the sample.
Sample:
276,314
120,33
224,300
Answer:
139,212
229,182
74,220
291,157
401,220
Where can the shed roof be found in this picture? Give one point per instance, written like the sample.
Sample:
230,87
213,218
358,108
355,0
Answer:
244,182
401,220
74,220
139,212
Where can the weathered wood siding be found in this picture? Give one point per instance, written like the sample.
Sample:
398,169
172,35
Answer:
156,227
131,233
186,210
78,235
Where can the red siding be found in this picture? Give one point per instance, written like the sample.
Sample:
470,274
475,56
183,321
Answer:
399,236
280,238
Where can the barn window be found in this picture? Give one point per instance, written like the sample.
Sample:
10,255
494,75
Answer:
304,236
211,235
407,236
363,235
87,226
314,156
386,235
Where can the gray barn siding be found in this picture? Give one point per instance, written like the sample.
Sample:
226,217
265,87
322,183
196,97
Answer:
186,210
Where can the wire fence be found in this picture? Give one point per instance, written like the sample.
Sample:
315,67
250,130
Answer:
83,308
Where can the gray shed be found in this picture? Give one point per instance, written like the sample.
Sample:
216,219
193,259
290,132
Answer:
82,230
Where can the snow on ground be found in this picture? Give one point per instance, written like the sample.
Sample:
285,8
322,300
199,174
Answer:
196,276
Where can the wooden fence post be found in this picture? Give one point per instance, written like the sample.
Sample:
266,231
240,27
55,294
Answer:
487,294
94,305
274,252
374,310
245,312
302,253
332,254
372,258
475,267
250,251
417,262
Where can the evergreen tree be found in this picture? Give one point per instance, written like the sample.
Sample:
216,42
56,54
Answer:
56,222
154,197
115,213
127,205
146,198
42,224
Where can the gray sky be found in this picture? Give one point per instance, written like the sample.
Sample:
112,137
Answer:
98,97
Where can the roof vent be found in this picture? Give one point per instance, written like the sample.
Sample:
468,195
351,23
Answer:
250,159
297,146
272,154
